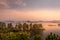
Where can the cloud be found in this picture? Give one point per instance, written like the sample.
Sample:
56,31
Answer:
20,2
23,4
3,4
11,4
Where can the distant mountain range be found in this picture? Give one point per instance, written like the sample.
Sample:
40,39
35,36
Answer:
53,21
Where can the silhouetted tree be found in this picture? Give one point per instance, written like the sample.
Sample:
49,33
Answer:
52,36
25,27
36,30
9,25
2,25
31,26
19,27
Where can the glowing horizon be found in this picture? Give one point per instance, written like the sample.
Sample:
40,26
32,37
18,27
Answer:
29,10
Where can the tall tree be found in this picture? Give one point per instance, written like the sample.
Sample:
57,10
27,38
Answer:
36,30
25,27
19,27
9,25
4,25
31,26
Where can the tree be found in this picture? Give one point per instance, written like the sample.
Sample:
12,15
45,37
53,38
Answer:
40,25
31,26
25,27
19,27
2,25
36,30
9,25
52,36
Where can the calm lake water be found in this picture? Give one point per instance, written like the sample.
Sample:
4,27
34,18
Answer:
48,28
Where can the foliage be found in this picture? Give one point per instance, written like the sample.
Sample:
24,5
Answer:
36,29
20,31
25,27
37,37
17,36
52,36
10,25
19,27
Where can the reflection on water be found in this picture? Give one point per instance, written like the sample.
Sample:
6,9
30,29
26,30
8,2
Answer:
54,28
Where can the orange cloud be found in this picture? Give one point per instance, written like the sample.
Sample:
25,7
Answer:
41,14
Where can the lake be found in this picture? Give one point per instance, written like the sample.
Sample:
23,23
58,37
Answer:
51,27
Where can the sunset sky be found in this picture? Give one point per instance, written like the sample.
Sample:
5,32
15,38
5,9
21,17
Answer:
29,9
